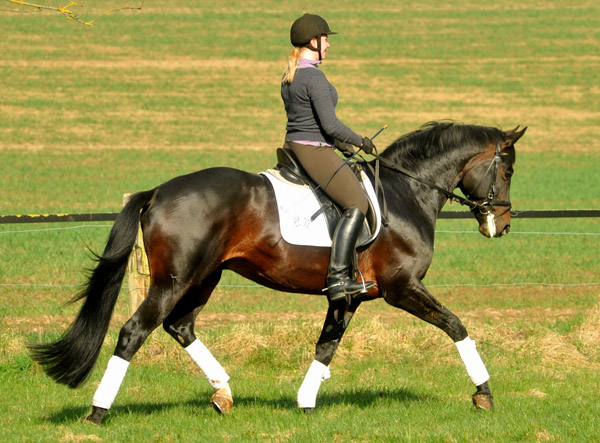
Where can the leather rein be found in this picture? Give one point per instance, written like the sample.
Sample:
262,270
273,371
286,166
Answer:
484,207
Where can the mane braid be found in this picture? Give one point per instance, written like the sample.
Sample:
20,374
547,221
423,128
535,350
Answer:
438,138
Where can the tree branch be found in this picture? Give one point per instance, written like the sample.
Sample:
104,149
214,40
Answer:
68,13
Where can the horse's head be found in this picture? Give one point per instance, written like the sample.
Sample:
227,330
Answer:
486,181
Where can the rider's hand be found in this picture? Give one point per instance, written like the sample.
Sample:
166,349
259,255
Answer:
367,145
346,148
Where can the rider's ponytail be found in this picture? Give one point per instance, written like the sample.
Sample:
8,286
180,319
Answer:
290,72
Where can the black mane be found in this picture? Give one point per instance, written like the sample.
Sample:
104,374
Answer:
439,138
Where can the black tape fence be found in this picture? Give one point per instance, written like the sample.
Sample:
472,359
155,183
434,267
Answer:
111,216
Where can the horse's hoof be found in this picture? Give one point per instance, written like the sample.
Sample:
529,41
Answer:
483,401
222,401
308,410
96,416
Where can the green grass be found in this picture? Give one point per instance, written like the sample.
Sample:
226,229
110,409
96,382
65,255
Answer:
376,401
55,181
205,76
79,181
394,377
88,114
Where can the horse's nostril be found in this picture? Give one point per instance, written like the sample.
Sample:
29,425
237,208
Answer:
506,229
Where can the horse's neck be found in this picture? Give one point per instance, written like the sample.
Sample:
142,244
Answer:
443,170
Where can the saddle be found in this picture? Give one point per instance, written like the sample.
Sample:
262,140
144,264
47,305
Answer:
290,169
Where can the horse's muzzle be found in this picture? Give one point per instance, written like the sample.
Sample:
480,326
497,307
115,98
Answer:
494,227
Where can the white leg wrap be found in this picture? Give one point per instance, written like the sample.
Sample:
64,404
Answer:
307,394
472,360
111,382
212,369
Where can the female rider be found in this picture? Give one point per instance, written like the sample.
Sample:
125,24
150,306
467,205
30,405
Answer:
313,130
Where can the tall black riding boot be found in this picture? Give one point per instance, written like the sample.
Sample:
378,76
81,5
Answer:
340,283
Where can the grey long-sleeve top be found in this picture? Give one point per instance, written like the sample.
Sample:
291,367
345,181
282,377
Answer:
310,102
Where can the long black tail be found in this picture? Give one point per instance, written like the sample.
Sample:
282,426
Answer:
71,359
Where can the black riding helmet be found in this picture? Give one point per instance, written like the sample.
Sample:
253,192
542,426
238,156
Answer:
308,27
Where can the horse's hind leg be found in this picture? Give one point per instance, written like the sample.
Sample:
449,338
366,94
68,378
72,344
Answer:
149,315
180,325
337,320
418,301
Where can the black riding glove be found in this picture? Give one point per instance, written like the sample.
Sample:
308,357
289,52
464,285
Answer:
345,148
367,145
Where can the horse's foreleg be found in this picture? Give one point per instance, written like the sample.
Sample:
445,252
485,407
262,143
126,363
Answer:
482,399
180,325
337,320
419,302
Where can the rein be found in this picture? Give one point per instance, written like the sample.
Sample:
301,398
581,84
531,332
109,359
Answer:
484,208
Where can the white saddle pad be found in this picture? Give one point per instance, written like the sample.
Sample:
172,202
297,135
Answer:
297,204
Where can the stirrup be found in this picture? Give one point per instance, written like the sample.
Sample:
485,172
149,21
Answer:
342,292
366,285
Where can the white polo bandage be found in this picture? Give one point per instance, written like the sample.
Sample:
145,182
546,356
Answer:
111,382
307,394
212,369
470,357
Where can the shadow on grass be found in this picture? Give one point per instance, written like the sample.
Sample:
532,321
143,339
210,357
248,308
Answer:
361,398
79,413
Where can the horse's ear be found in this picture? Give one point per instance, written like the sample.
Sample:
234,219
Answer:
514,134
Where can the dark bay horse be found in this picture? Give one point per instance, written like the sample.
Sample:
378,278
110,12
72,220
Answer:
197,225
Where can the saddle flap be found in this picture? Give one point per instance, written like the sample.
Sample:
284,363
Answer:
290,171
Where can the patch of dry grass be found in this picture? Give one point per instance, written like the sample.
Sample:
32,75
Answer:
390,334
250,338
588,334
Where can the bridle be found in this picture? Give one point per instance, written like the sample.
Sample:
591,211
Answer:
484,207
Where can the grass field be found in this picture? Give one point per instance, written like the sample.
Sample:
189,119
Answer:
87,114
